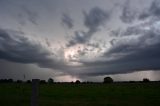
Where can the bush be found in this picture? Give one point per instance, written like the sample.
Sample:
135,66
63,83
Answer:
145,80
77,82
108,80
50,80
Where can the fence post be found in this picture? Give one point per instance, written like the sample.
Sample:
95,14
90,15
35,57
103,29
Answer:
34,96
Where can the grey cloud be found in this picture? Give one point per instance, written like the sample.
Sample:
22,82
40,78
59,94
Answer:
144,59
145,39
112,42
133,30
115,33
67,20
47,42
128,14
152,11
92,20
80,37
155,8
95,18
28,15
138,61
17,48
128,55
144,15
89,48
94,45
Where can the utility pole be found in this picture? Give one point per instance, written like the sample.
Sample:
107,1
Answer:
35,92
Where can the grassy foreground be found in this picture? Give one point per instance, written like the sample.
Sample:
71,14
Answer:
120,94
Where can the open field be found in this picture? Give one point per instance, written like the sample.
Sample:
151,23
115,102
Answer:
116,94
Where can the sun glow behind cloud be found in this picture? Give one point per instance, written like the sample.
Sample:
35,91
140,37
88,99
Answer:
67,78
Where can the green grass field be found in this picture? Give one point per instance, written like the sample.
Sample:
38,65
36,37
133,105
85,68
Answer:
123,94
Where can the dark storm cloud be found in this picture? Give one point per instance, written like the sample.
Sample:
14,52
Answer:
128,14
95,18
129,31
136,37
67,20
129,55
17,48
152,11
132,30
80,37
92,20
115,33
132,49
122,57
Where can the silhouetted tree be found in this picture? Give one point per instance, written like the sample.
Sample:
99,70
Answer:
10,80
50,80
146,80
3,80
78,82
108,80
71,82
6,80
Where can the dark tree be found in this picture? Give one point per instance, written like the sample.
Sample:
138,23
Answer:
50,80
108,80
146,80
10,80
77,82
6,80
71,82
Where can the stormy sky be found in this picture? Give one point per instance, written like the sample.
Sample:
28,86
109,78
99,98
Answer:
80,39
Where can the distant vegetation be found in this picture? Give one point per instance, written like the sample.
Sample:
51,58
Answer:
51,81
108,80
77,82
146,80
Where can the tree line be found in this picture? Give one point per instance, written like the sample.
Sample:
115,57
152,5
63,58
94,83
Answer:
51,80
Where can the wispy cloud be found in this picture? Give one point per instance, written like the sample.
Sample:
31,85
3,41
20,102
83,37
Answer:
92,20
27,15
67,21
152,11
128,14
